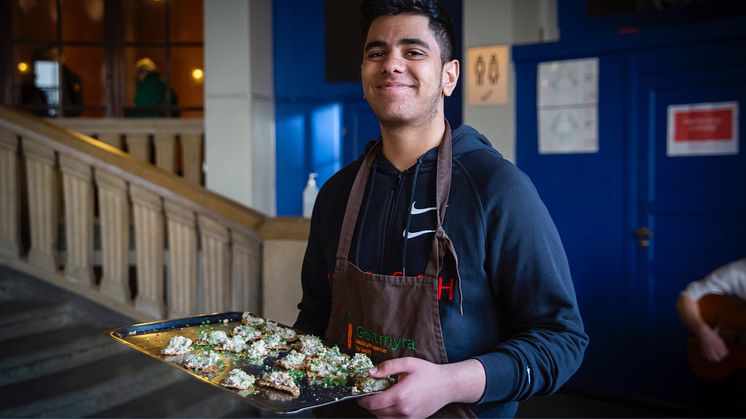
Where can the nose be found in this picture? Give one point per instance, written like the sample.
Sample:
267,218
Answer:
393,63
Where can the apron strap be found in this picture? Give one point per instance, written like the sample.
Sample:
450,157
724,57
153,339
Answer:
353,204
441,241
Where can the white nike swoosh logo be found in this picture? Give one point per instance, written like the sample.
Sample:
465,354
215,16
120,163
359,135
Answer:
411,235
416,211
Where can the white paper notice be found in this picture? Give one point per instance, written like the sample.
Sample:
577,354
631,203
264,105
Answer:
568,106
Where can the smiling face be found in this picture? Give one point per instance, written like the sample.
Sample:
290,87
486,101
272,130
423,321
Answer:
403,78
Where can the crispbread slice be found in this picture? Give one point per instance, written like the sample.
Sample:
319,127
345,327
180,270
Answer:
295,391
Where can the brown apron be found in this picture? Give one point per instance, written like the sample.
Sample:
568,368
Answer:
386,316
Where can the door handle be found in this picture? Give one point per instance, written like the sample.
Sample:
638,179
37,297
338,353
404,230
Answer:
643,235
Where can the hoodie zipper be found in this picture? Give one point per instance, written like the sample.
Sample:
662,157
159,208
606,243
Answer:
391,207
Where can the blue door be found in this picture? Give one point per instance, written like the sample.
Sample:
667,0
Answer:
694,206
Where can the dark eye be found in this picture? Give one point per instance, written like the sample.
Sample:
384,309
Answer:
414,53
376,54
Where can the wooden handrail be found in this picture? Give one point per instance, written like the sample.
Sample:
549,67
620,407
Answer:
134,125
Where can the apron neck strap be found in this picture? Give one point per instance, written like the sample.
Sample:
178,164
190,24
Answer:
441,242
353,203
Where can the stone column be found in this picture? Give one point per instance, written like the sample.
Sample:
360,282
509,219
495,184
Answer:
239,102
114,221
148,216
182,257
215,276
77,190
41,178
191,146
10,237
165,151
138,145
246,282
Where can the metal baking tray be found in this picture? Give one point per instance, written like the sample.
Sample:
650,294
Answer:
150,338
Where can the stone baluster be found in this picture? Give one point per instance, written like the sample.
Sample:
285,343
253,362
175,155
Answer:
165,151
77,190
191,146
112,138
246,285
42,189
10,238
148,216
214,285
115,235
182,257
138,145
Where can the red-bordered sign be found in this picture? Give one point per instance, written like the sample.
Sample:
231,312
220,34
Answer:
703,129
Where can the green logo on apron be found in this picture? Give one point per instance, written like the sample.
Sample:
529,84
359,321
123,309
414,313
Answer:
387,341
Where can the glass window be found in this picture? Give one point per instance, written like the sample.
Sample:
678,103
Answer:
186,21
35,83
144,21
146,81
83,81
65,61
83,20
35,19
187,75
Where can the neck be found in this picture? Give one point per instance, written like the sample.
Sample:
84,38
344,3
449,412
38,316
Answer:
403,145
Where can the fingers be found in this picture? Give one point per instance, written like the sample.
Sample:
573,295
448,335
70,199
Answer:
391,367
715,351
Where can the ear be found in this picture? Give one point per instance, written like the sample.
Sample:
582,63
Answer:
451,71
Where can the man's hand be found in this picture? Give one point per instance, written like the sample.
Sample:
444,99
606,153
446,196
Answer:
424,387
712,345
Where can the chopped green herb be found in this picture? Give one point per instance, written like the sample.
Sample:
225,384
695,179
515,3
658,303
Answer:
297,375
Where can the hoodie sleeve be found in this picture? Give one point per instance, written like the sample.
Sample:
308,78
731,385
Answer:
545,340
315,306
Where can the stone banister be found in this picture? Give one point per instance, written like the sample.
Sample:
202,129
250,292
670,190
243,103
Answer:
132,235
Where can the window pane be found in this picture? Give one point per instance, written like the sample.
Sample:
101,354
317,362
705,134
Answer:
147,90
145,20
186,21
35,88
83,20
187,76
83,81
35,19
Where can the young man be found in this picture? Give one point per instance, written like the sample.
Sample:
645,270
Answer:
432,253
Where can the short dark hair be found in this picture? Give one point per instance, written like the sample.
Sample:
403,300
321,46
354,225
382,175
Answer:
440,22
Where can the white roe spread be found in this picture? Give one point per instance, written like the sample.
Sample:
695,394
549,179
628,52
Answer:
178,345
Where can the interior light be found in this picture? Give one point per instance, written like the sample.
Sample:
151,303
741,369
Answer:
23,67
198,74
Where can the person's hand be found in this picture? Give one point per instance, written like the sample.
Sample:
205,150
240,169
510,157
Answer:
424,387
712,345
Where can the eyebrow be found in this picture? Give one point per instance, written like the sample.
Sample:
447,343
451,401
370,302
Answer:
404,41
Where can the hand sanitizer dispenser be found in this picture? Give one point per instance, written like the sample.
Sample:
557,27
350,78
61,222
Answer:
309,195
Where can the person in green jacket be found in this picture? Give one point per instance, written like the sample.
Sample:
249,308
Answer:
154,97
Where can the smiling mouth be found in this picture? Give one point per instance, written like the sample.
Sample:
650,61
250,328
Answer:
394,87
